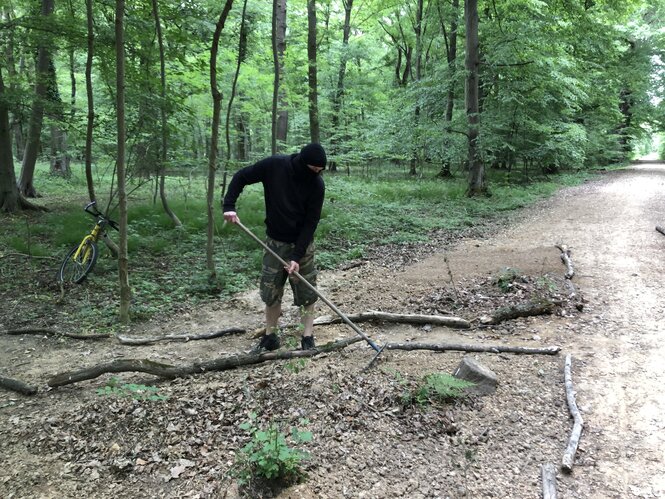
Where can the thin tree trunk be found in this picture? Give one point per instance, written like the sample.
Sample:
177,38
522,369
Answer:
162,112
91,105
212,162
60,160
472,62
15,124
339,91
419,57
123,260
242,53
275,84
26,186
451,57
9,195
282,125
314,131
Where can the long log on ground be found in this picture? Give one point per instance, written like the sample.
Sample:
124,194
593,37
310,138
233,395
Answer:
170,371
548,474
16,385
527,309
565,258
446,347
52,332
149,340
373,315
569,455
660,229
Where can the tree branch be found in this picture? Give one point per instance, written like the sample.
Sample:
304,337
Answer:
16,385
126,340
569,455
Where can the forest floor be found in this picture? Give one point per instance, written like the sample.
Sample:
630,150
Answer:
75,442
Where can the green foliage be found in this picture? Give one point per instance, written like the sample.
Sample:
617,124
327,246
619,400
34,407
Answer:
435,387
114,388
268,454
296,365
504,281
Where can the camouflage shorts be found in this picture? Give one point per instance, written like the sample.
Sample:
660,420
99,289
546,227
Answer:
273,275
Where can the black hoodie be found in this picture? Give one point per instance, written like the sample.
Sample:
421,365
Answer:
293,197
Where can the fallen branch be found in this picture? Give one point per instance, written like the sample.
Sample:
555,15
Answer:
569,455
443,347
169,371
16,385
548,474
25,255
126,340
565,257
373,315
527,309
660,229
53,332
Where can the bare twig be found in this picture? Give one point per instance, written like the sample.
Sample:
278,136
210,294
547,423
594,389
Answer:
125,340
548,474
565,257
660,229
446,347
26,255
374,315
52,332
569,455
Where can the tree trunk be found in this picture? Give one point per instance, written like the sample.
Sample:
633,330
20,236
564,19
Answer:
60,160
91,106
313,94
162,112
275,84
472,63
242,53
339,91
26,186
9,195
212,160
282,125
123,260
419,58
451,57
16,124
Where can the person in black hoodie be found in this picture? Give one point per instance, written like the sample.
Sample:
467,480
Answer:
294,191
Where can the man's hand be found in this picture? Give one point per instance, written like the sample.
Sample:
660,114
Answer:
231,216
292,267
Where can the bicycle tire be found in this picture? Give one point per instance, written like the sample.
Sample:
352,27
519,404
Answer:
75,270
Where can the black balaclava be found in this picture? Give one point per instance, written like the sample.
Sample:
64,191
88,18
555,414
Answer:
312,154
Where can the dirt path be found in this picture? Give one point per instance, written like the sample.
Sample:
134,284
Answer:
617,343
72,443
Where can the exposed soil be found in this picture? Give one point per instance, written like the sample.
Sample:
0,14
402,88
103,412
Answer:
74,442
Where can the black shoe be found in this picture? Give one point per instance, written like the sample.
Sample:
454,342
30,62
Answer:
268,342
307,343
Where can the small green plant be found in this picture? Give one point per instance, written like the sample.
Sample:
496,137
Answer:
268,454
296,365
546,283
506,279
436,387
138,392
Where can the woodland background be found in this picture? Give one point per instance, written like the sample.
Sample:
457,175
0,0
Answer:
417,103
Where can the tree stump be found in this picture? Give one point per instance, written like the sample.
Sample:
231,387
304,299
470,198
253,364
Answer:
484,379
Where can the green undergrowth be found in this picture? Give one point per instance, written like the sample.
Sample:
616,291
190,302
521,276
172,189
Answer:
168,266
